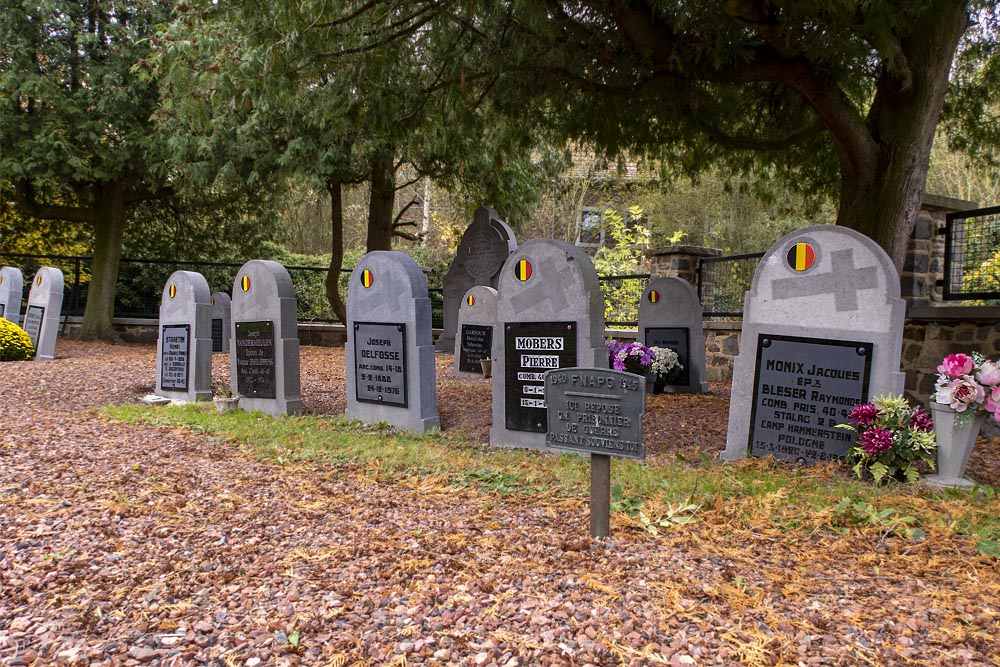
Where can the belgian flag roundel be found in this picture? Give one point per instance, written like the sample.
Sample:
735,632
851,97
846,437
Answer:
801,256
367,278
471,300
654,296
522,269
245,283
172,291
38,280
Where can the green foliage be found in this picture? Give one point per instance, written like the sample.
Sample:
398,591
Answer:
907,434
15,345
849,512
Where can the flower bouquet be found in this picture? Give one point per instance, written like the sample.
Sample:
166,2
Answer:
966,384
666,366
892,439
632,358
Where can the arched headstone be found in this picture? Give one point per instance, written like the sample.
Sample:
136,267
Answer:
11,293
264,346
476,319
41,317
822,330
670,317
550,314
390,351
481,253
222,307
184,348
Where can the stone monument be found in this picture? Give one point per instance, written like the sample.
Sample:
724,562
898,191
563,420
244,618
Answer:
41,318
670,317
822,331
476,319
550,314
184,347
222,307
264,350
11,293
484,247
390,350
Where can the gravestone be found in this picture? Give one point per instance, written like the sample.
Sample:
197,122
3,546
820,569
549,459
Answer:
264,345
550,314
11,293
822,331
41,317
184,347
484,247
476,320
670,317
390,348
222,307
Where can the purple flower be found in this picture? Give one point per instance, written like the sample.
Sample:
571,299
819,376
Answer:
863,414
876,440
921,420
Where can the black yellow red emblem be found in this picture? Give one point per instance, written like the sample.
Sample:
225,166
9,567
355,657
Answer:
522,269
471,300
367,278
38,280
654,296
172,290
245,283
801,256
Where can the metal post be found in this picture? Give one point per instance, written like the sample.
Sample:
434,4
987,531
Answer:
600,495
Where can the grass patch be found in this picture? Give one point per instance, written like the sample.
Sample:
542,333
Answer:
752,494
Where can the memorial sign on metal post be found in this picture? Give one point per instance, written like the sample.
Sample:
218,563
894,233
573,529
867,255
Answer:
380,363
255,359
597,412
803,388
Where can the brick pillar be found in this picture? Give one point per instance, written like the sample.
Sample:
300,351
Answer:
679,260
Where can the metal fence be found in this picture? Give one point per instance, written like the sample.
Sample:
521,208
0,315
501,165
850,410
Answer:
140,286
972,255
723,282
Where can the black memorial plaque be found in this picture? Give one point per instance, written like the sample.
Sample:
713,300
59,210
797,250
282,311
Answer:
3,308
217,334
803,388
33,318
595,411
380,363
530,349
255,371
175,356
676,339
476,343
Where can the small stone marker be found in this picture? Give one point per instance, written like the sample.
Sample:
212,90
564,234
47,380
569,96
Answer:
670,317
550,315
264,351
222,307
597,412
484,247
11,293
822,330
41,318
476,320
390,349
184,348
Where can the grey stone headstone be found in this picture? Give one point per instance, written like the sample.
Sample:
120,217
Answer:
222,307
484,248
476,320
390,351
595,411
550,314
41,318
822,330
264,342
670,316
11,293
184,346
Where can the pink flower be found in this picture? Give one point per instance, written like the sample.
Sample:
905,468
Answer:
959,393
921,421
989,374
863,414
956,365
876,440
993,402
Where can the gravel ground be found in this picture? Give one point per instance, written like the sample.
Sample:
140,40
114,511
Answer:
154,546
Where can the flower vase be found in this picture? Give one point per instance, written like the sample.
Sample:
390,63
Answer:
954,442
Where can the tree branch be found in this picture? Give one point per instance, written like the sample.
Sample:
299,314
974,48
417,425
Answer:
24,199
396,222
773,143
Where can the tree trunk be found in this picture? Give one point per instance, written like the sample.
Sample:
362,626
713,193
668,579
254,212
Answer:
380,205
337,304
109,228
